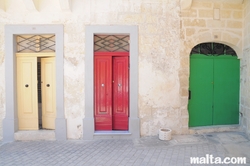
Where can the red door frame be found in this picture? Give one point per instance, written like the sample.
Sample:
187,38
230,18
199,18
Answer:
103,114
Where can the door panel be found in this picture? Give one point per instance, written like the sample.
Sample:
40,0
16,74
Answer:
226,90
214,85
27,93
120,93
201,91
48,92
103,92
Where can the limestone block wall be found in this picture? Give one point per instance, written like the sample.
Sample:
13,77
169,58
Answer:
158,21
218,21
207,21
245,71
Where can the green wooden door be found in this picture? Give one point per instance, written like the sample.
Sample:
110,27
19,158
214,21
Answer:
226,90
201,91
214,90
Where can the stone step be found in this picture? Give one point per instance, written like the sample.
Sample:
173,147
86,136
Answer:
211,129
112,134
35,135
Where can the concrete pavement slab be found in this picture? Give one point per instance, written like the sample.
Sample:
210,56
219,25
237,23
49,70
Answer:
116,152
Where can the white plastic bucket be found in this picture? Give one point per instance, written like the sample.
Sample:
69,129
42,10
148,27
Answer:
165,134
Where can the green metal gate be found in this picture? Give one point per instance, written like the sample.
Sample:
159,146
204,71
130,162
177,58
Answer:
214,85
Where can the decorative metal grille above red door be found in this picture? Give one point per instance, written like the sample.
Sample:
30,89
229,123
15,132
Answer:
111,43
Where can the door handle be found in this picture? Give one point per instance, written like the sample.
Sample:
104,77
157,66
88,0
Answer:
26,85
48,85
189,94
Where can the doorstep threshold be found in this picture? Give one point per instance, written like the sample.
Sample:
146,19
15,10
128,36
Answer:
216,128
32,135
112,132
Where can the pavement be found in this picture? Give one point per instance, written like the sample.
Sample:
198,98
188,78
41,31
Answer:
146,151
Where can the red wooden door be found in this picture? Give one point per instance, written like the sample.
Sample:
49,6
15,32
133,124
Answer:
120,93
103,92
111,91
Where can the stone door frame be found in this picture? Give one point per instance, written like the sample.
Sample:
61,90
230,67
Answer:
88,120
10,122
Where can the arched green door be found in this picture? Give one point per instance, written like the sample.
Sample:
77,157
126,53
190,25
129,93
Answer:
214,85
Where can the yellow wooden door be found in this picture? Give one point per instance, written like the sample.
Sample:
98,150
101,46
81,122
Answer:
27,93
48,92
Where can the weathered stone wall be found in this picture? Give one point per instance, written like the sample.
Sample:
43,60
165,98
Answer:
166,37
207,21
159,62
245,71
